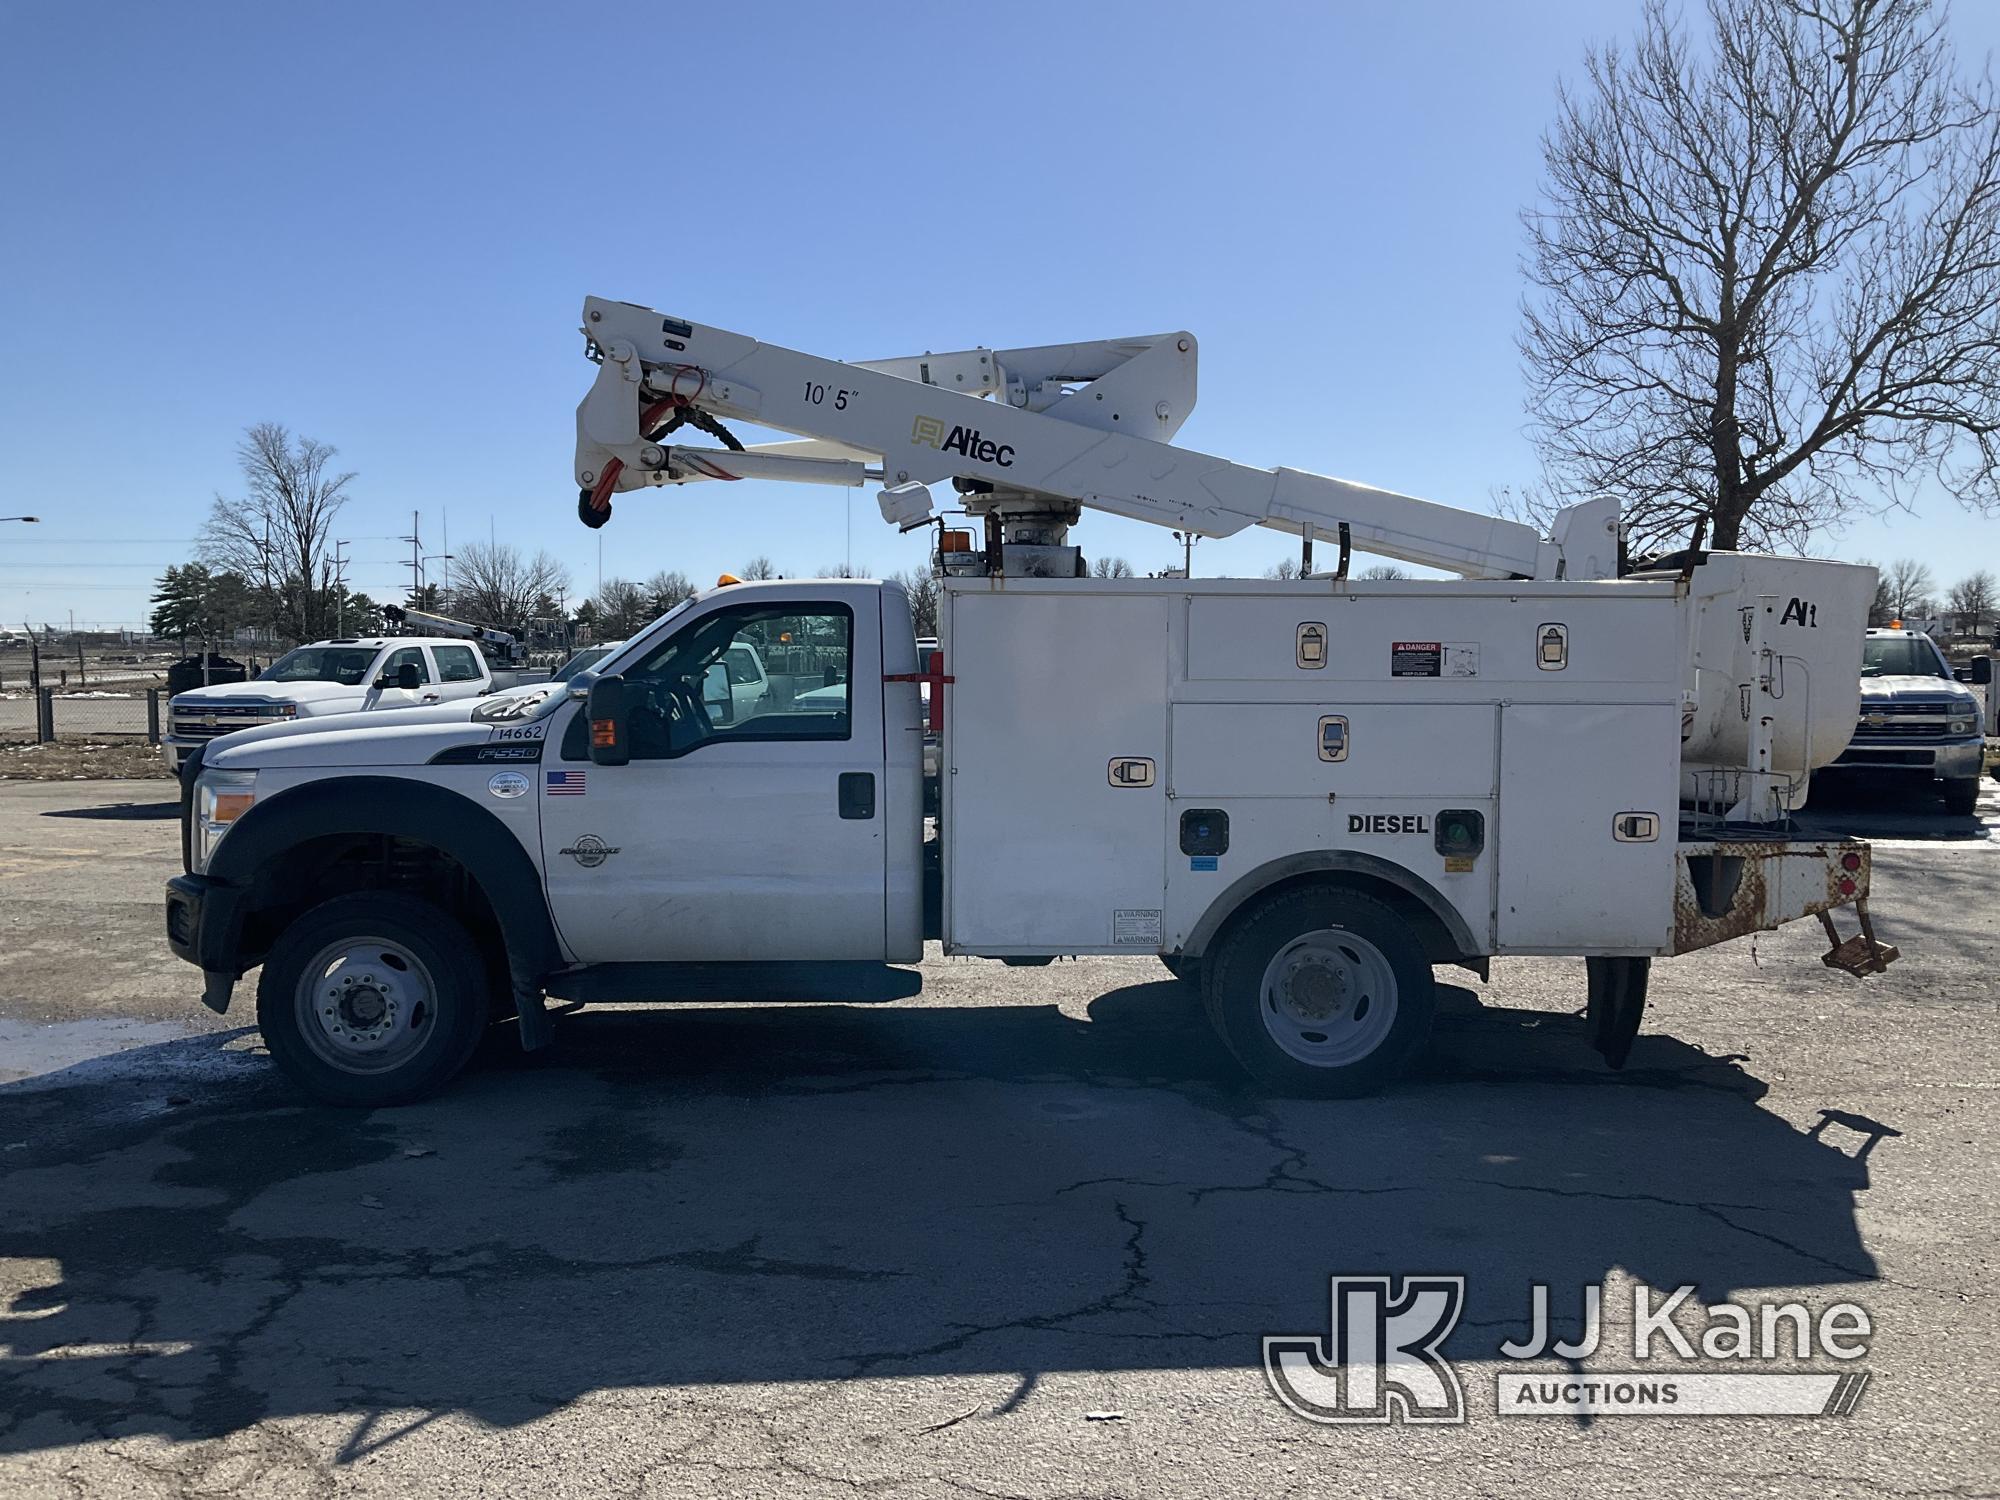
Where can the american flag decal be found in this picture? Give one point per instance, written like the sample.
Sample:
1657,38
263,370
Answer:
565,783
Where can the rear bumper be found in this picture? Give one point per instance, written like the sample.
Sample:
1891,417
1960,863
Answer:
205,928
1730,888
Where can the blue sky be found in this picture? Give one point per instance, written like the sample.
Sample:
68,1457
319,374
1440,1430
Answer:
376,223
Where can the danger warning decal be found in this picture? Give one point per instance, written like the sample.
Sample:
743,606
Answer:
1434,659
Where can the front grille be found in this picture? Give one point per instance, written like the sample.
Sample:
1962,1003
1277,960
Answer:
1927,729
1907,721
194,724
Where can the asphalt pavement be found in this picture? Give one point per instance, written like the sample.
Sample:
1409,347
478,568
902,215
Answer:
1022,1236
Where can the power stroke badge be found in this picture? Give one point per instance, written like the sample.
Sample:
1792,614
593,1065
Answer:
590,851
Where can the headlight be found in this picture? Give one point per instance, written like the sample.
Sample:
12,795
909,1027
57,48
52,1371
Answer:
1964,726
220,798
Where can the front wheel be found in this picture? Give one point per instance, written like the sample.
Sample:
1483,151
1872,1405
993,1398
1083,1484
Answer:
1323,992
369,999
1961,798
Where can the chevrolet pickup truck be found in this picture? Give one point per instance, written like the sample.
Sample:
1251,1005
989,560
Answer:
351,675
1917,724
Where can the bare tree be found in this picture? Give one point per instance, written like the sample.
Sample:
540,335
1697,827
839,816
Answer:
664,590
1284,568
1111,567
1909,585
1971,599
922,587
758,567
495,584
1880,610
844,570
279,534
1765,276
1383,571
621,609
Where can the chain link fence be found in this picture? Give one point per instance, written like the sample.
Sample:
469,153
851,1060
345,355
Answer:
29,717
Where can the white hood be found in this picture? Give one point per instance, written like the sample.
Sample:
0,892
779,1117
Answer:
395,737
1913,689
311,697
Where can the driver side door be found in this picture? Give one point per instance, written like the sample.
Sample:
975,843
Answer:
732,835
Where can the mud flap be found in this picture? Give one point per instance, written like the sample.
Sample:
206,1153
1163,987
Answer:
1617,989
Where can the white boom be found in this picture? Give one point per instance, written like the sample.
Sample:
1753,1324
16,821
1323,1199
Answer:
1028,437
495,639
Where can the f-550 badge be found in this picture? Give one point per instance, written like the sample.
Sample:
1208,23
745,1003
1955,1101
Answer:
590,851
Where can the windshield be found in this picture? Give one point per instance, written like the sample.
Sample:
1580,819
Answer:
346,665
1901,656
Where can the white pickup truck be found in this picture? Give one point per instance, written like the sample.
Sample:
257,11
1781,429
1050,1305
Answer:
344,676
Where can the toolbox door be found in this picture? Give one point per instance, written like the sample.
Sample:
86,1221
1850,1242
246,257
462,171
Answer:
1055,798
1580,868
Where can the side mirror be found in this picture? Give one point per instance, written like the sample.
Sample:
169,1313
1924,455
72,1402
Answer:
610,722
408,678
1982,671
715,694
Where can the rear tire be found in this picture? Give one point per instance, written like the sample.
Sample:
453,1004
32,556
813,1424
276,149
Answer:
372,999
1321,992
1961,798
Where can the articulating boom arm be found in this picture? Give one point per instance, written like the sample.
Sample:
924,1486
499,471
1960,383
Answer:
1031,436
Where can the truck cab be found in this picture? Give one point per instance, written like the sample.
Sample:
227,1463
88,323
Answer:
1917,724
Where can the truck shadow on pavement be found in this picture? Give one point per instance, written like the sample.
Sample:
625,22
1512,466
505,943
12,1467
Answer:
1853,807
122,812
789,1194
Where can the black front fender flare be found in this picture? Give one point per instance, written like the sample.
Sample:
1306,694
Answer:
425,813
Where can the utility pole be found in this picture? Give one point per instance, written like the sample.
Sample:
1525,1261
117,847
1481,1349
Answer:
339,588
416,541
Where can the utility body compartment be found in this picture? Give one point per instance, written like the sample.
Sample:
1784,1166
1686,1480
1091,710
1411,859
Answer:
1126,760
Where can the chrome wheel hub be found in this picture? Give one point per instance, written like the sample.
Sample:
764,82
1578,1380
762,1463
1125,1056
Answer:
365,1005
1329,998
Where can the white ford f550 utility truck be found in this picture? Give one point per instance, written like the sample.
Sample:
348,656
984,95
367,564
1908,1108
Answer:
353,675
1300,795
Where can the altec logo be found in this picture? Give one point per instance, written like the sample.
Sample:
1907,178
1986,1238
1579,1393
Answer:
930,432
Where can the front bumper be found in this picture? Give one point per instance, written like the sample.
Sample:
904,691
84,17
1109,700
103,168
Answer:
1958,760
205,927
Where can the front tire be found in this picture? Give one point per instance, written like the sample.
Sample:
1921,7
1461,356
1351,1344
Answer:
1321,992
1961,798
371,999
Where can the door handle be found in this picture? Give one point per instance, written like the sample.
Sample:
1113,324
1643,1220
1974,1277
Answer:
857,794
430,697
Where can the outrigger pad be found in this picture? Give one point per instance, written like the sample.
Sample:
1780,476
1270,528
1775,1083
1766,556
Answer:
1617,1003
1861,954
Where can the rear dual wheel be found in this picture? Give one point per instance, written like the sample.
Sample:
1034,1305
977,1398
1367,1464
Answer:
1321,992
